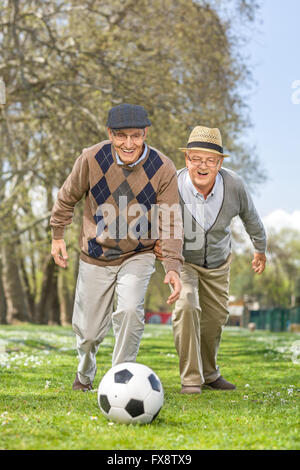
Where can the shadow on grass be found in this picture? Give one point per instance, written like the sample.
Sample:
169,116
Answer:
40,346
245,352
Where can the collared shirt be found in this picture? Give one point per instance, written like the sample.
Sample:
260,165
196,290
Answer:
205,211
119,161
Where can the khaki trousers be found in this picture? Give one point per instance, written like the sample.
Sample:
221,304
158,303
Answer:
94,313
198,319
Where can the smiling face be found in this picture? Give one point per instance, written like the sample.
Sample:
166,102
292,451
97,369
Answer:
128,143
203,168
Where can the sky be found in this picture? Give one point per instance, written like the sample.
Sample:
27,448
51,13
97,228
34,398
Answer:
275,110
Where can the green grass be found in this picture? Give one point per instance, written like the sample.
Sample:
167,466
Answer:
38,409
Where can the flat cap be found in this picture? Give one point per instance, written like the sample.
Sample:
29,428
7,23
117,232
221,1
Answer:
128,116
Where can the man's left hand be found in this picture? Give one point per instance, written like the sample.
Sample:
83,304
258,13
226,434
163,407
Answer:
259,262
172,278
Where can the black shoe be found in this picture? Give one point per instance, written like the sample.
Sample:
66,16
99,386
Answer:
220,384
77,385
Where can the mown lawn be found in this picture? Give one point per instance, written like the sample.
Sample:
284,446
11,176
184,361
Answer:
38,409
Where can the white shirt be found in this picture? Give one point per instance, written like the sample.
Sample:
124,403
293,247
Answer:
205,211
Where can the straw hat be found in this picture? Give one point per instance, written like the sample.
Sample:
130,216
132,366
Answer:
207,139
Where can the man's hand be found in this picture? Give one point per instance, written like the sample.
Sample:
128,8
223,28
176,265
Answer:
172,278
59,253
157,250
259,262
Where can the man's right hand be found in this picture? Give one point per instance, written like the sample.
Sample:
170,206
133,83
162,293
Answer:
59,253
157,250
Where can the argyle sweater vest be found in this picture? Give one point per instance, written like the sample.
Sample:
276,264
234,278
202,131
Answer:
118,202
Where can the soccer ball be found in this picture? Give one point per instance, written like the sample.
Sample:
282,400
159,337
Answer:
130,393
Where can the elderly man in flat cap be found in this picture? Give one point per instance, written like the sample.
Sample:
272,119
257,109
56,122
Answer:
210,197
121,179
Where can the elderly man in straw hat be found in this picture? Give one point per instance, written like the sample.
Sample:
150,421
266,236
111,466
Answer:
210,197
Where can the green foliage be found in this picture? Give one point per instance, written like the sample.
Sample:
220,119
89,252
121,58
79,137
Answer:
66,63
38,409
278,285
157,292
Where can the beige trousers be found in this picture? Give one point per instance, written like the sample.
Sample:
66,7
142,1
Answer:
94,313
198,319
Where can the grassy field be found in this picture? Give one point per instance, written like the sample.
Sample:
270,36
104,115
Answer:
38,409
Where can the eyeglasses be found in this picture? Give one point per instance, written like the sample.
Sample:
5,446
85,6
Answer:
122,137
209,162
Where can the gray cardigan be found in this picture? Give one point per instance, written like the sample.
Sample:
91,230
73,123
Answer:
212,247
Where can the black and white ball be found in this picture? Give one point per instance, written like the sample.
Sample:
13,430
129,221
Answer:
130,393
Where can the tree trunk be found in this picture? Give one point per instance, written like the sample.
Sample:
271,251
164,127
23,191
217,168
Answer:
16,301
48,309
29,295
2,300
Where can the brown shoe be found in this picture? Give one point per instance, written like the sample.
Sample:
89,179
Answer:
189,389
77,385
220,384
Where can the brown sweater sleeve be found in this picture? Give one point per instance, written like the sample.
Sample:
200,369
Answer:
73,189
170,220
